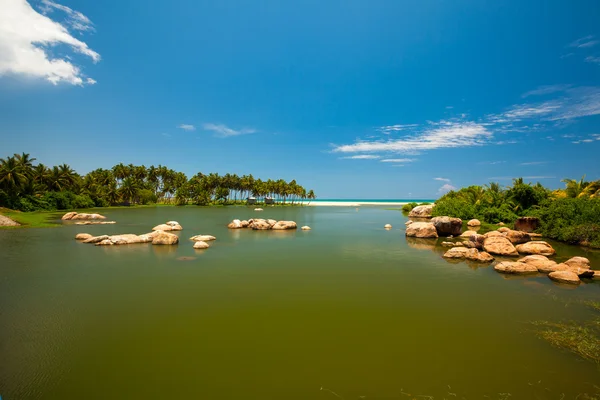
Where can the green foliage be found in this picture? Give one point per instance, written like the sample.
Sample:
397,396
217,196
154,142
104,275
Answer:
494,215
408,207
457,207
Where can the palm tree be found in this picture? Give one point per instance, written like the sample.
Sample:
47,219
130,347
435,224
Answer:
311,196
575,188
129,189
12,176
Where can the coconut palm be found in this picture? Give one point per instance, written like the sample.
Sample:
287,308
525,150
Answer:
575,188
12,176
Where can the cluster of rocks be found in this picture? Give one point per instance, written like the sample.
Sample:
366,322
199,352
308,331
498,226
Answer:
259,224
155,237
72,216
168,226
570,271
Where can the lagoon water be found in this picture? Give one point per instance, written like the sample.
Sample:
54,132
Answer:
347,310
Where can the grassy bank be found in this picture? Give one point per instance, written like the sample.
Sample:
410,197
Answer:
35,219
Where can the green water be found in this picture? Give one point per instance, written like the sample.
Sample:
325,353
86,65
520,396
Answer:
343,311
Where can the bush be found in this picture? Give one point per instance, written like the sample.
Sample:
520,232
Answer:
82,201
408,207
147,196
499,214
455,207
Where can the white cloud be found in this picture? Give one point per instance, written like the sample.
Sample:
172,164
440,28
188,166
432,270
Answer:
535,163
523,111
591,59
361,157
586,41
546,89
75,19
444,134
446,188
187,127
398,160
442,179
224,131
27,38
396,128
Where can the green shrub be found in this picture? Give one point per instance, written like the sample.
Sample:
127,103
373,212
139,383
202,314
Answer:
408,207
147,196
455,207
425,204
504,213
82,201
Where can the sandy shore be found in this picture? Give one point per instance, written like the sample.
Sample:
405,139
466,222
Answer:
355,203
5,221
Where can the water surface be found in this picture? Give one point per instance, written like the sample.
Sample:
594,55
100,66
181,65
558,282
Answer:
345,310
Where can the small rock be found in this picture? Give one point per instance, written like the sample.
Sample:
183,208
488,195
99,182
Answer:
169,226
284,225
565,277
388,226
536,247
474,222
165,238
501,224
201,245
468,233
96,239
203,238
83,236
306,228
258,209
500,246
517,268
235,224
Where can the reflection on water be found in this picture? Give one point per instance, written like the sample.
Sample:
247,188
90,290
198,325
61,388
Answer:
347,306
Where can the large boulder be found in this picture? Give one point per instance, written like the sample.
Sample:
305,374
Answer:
235,224
421,230
165,238
565,277
517,268
284,225
469,254
421,211
527,224
536,247
493,234
83,236
517,237
447,226
68,216
580,262
96,239
260,225
477,241
71,216
169,226
474,222
203,238
200,245
503,229
468,234
542,263
500,246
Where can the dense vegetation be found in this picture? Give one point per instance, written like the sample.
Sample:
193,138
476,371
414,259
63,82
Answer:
571,214
27,186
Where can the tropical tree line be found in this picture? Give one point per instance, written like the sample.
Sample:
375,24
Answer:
27,186
571,214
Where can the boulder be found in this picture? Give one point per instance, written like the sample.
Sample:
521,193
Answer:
542,263
258,209
580,270
468,233
165,238
447,244
245,223
477,241
517,268
493,234
503,229
500,246
565,277
446,226
421,230
272,222
469,254
96,239
169,226
421,211
84,216
235,224
517,237
83,236
203,238
284,225
581,262
408,222
199,245
527,224
536,247
474,222
68,216
259,225
387,226
306,228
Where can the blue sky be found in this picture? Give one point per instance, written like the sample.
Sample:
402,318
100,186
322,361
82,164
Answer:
355,99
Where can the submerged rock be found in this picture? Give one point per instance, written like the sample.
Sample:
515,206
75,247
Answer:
421,211
517,268
421,230
446,226
536,247
95,223
565,277
500,246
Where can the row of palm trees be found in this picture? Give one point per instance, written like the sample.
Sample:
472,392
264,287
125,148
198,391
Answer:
138,184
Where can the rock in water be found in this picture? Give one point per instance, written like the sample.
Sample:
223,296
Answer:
500,246
446,226
469,254
68,216
581,262
169,226
421,211
388,226
201,245
517,237
536,247
517,268
474,222
284,225
203,238
421,230
235,224
527,224
542,263
306,228
260,225
83,236
165,238
565,277
83,216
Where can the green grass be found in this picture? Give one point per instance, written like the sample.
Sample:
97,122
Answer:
35,219
580,339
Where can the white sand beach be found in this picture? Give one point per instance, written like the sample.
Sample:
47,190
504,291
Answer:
355,203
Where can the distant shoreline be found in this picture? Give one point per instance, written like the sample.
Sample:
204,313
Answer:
366,202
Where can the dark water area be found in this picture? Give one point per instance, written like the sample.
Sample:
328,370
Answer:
347,310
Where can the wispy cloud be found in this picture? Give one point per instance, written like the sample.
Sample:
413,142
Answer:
546,89
396,128
591,59
586,41
446,188
398,160
491,162
26,37
187,127
444,134
442,179
224,131
535,163
361,157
